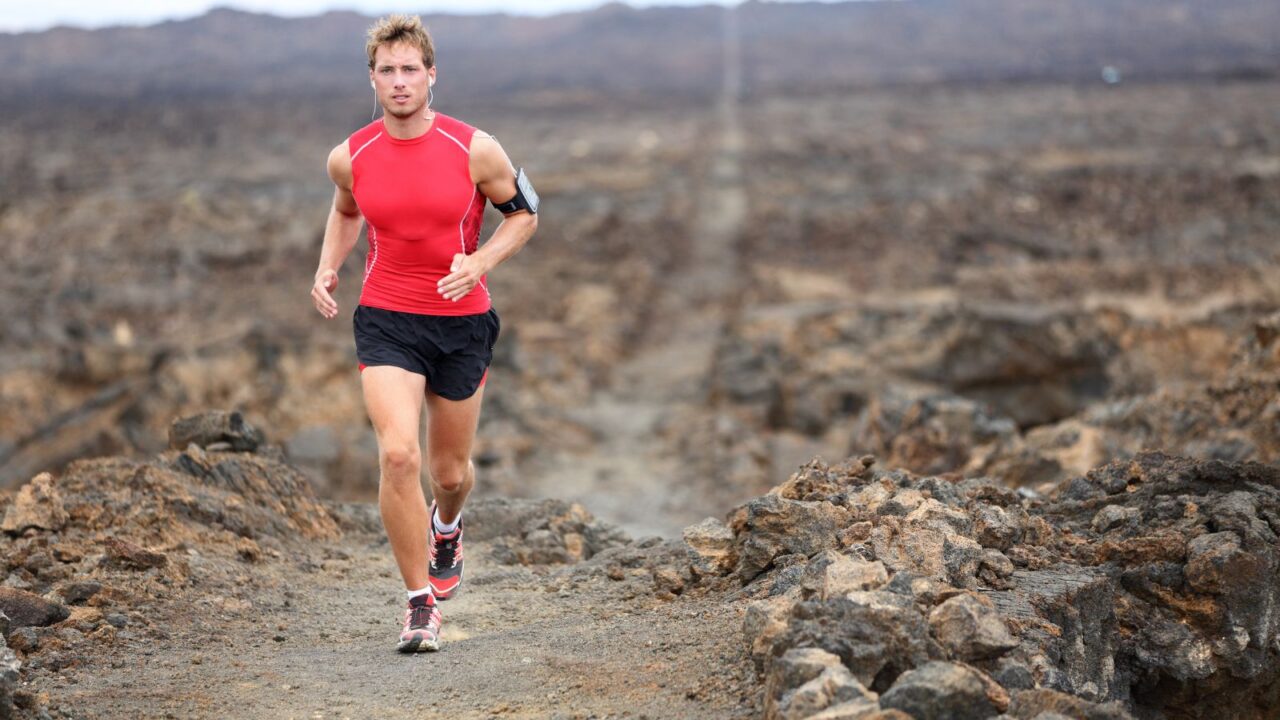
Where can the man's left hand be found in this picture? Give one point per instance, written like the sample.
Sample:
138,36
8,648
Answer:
464,274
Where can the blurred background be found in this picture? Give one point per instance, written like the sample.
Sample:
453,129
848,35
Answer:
987,237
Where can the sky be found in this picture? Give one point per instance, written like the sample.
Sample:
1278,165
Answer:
24,15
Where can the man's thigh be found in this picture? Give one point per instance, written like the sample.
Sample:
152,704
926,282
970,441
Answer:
451,425
393,398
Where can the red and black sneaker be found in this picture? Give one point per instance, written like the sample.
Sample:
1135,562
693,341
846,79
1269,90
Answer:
421,631
445,552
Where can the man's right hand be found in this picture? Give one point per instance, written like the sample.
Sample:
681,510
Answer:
322,293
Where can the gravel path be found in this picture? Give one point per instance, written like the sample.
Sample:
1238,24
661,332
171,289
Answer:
313,636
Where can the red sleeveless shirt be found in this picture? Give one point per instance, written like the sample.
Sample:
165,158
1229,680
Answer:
422,208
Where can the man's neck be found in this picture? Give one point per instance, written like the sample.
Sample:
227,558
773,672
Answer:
409,127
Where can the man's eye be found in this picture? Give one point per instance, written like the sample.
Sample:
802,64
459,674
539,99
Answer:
386,70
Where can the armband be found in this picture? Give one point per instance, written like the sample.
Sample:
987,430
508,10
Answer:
526,197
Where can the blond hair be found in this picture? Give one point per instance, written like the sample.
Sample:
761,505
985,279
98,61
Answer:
397,28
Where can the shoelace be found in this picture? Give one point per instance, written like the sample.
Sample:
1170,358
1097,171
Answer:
420,615
445,553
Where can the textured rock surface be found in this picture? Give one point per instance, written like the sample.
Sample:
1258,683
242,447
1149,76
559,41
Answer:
969,628
10,666
806,681
27,609
215,430
1145,586
940,691
37,506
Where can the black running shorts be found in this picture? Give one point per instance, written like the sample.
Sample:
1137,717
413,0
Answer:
452,352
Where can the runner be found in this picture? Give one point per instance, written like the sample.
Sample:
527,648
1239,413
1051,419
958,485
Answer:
424,327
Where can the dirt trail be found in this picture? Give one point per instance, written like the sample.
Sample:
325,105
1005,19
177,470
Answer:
312,636
631,476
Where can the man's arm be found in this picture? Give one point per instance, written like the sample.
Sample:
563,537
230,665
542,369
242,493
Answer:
493,173
340,232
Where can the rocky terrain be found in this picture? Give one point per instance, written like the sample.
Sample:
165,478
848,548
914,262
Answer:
1144,589
1018,328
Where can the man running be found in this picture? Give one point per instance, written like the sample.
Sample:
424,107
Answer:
424,327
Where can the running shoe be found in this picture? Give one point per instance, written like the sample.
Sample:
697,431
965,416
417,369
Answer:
445,552
421,626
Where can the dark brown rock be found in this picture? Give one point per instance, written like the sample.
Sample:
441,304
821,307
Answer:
77,593
124,554
27,609
215,428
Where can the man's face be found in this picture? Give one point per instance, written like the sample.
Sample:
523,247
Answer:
401,79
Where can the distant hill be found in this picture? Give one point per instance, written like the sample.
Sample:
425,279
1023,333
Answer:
616,50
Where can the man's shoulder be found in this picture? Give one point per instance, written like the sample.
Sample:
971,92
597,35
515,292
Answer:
452,125
366,133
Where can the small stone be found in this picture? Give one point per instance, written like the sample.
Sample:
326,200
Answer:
1113,516
248,550
666,579
24,640
118,620
969,627
77,593
124,554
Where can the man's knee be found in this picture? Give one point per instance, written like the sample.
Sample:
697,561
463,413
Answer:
450,473
400,459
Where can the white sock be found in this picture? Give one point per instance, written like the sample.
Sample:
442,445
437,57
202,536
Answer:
424,591
441,527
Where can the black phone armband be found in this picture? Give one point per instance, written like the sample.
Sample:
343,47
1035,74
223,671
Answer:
526,197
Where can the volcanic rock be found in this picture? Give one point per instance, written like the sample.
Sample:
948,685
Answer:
805,681
969,628
38,505
215,430
27,609
711,547
772,525
877,635
9,669
124,554
940,691
832,574
1144,582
